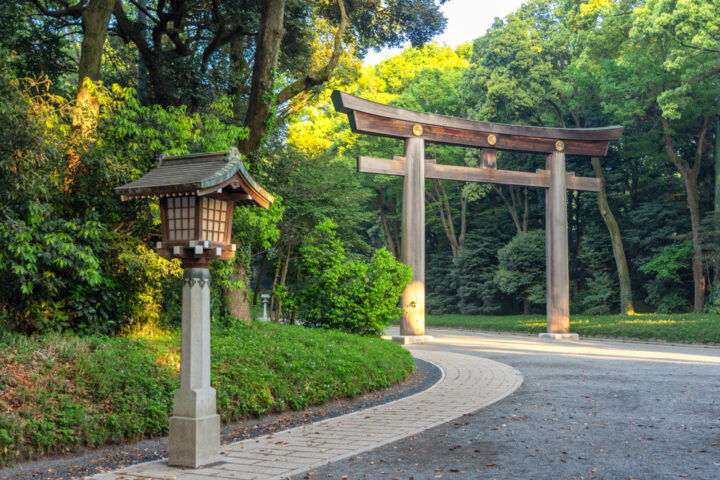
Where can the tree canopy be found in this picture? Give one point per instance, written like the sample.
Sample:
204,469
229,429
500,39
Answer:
92,91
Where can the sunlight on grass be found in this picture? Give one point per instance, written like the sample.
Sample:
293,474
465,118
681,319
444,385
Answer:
654,322
164,341
688,327
535,324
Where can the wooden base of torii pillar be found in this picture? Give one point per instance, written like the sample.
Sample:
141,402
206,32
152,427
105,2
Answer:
417,128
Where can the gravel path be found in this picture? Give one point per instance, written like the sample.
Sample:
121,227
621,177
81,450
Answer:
592,409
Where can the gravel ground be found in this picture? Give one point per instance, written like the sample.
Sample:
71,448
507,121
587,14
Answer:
596,409
112,458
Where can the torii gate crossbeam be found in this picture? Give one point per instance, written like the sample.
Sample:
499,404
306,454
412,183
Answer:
416,128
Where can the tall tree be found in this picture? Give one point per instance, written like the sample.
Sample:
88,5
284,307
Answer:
521,73
665,75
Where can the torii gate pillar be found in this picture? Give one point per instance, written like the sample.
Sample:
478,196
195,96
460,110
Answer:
556,241
412,323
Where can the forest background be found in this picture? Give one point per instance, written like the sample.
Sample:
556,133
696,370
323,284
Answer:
94,90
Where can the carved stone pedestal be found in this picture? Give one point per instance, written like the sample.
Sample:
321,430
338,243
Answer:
195,425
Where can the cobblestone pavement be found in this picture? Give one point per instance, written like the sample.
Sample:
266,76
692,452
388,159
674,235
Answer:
468,384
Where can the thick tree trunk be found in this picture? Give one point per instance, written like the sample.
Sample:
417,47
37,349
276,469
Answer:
626,302
262,98
238,73
235,300
95,20
142,71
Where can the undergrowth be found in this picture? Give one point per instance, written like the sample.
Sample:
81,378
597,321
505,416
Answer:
61,392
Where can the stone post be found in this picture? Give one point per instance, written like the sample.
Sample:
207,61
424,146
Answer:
195,425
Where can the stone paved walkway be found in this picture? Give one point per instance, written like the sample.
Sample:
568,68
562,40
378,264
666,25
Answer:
469,383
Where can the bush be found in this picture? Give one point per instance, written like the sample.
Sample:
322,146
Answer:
521,267
671,267
336,292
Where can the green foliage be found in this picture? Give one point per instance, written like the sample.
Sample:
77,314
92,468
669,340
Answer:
686,328
671,267
671,260
336,292
72,256
521,267
62,393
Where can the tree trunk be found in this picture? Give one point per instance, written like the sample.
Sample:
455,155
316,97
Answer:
235,300
717,167
95,20
380,202
238,72
445,214
274,284
262,98
693,203
626,302
526,213
689,175
716,267
283,278
512,207
256,293
142,71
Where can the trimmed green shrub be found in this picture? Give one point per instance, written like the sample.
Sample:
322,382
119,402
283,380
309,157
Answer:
337,292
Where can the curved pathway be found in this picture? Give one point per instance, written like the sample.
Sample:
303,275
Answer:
468,384
593,409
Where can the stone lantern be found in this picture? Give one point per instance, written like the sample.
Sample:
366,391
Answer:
197,193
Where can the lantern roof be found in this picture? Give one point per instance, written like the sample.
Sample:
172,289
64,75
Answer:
199,174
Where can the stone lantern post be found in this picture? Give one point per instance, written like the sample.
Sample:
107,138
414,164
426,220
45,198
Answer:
197,193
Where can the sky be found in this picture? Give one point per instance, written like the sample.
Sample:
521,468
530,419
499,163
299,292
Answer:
467,20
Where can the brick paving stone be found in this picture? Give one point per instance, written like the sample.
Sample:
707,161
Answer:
468,384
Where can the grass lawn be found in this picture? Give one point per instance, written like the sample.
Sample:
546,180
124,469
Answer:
688,327
61,392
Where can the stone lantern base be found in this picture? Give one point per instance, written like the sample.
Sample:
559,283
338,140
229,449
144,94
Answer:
195,425
188,445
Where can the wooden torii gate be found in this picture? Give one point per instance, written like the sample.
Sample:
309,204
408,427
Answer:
416,128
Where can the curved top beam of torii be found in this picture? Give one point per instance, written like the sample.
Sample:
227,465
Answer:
374,118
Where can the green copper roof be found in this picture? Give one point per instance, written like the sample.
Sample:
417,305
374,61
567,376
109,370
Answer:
195,174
